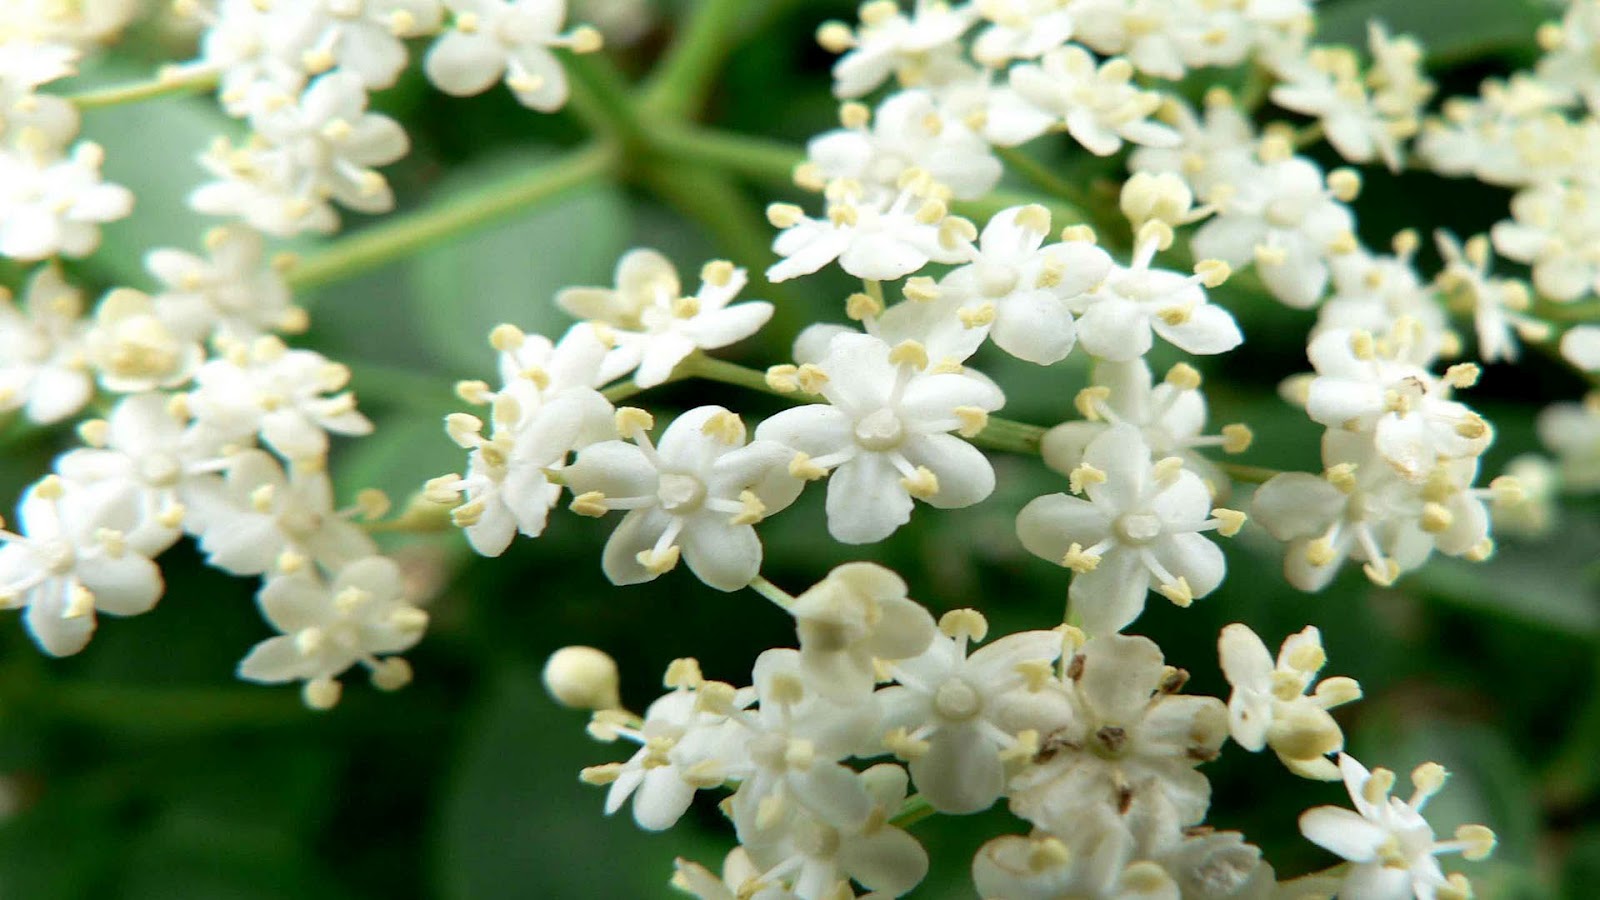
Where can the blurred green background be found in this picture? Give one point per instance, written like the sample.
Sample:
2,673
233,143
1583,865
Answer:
140,769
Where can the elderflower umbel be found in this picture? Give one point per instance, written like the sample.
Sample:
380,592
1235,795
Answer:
653,326
698,494
286,396
884,436
1392,846
1138,529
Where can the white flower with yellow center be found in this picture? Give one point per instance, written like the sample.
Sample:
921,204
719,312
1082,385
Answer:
366,37
1095,862
891,42
874,234
286,396
1139,527
234,292
698,495
1270,707
1021,29
1499,306
653,326
907,131
858,614
54,206
884,436
131,349
43,371
361,616
1555,228
1391,845
1095,103
510,40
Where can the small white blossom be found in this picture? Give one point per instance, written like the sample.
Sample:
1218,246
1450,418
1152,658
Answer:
1139,528
907,131
858,614
1392,846
233,292
655,327
1098,864
890,42
1376,292
366,38
740,880
1328,83
1555,229
361,616
70,561
510,40
52,206
1218,145
885,435
1498,305
1581,347
286,396
876,235
698,495
1270,707
1021,29
1098,105
1572,432
131,349
43,371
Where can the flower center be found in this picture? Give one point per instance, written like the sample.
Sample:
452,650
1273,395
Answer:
818,841
880,430
1139,528
957,701
996,279
160,470
680,494
57,556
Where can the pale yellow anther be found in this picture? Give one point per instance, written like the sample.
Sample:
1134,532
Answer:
751,509
1337,691
506,337
442,490
803,468
809,176
932,212
1480,551
1091,400
956,232
860,306
909,353
1436,518
1157,232
290,562
475,392
725,426
1342,476
782,378
601,775
80,603
1178,592
921,483
683,672
631,421
844,216
1376,790
590,503
1320,552
1382,572
785,215
1036,673
586,39
973,419
1308,658
715,697
855,115
1508,490
1344,184
372,503
1048,853
1462,375
1269,255
261,498
1079,234
1237,437
900,742
1184,377
977,316
49,487
1035,218
468,514
95,432
968,624
686,307
1167,469
1473,427
172,516
921,289
811,377
1079,479
465,429
1229,521
1480,842
1079,560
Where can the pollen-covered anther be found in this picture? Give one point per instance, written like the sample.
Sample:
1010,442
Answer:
683,672
1178,592
631,421
590,503
601,775
1184,377
1342,476
1048,853
686,307
715,697
977,316
810,378
1213,273
95,432
1480,551
1229,521
782,378
921,483
475,392
506,337
835,37
1079,234
1167,469
1079,560
751,509
1237,437
785,215
725,426
900,742
1479,841
1320,552
860,306
909,353
1382,572
1436,518
468,514
1083,476
464,429
964,624
921,289
442,490
1091,400
1462,375
803,468
973,419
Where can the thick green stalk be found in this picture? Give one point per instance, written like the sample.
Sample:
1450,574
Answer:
685,77
754,157
402,235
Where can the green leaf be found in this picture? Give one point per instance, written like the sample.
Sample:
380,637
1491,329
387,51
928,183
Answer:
511,272
1471,29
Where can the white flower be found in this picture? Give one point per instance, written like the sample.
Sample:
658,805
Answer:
858,614
1380,386
934,323
70,561
1021,29
817,857
1017,289
1269,705
232,292
1098,106
546,408
1097,865
366,38
1556,230
54,207
1116,319
286,396
698,495
132,349
890,42
740,880
1581,347
1128,746
1375,292
1289,220
876,235
950,713
1568,65
1218,145
885,435
256,519
653,326
1361,508
249,48
1498,305
1219,865
490,40
1170,416
908,131
24,67
43,371
686,743
1139,529
1327,83
1505,137
1164,38
1391,845
143,457
1572,432
361,616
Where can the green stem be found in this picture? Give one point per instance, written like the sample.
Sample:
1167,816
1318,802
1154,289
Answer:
771,591
163,85
914,810
759,158
1041,177
403,235
1248,474
684,78
601,98
702,366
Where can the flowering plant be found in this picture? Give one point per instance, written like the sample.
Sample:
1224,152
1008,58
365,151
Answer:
967,369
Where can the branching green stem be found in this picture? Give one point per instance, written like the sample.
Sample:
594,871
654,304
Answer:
685,77
163,85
